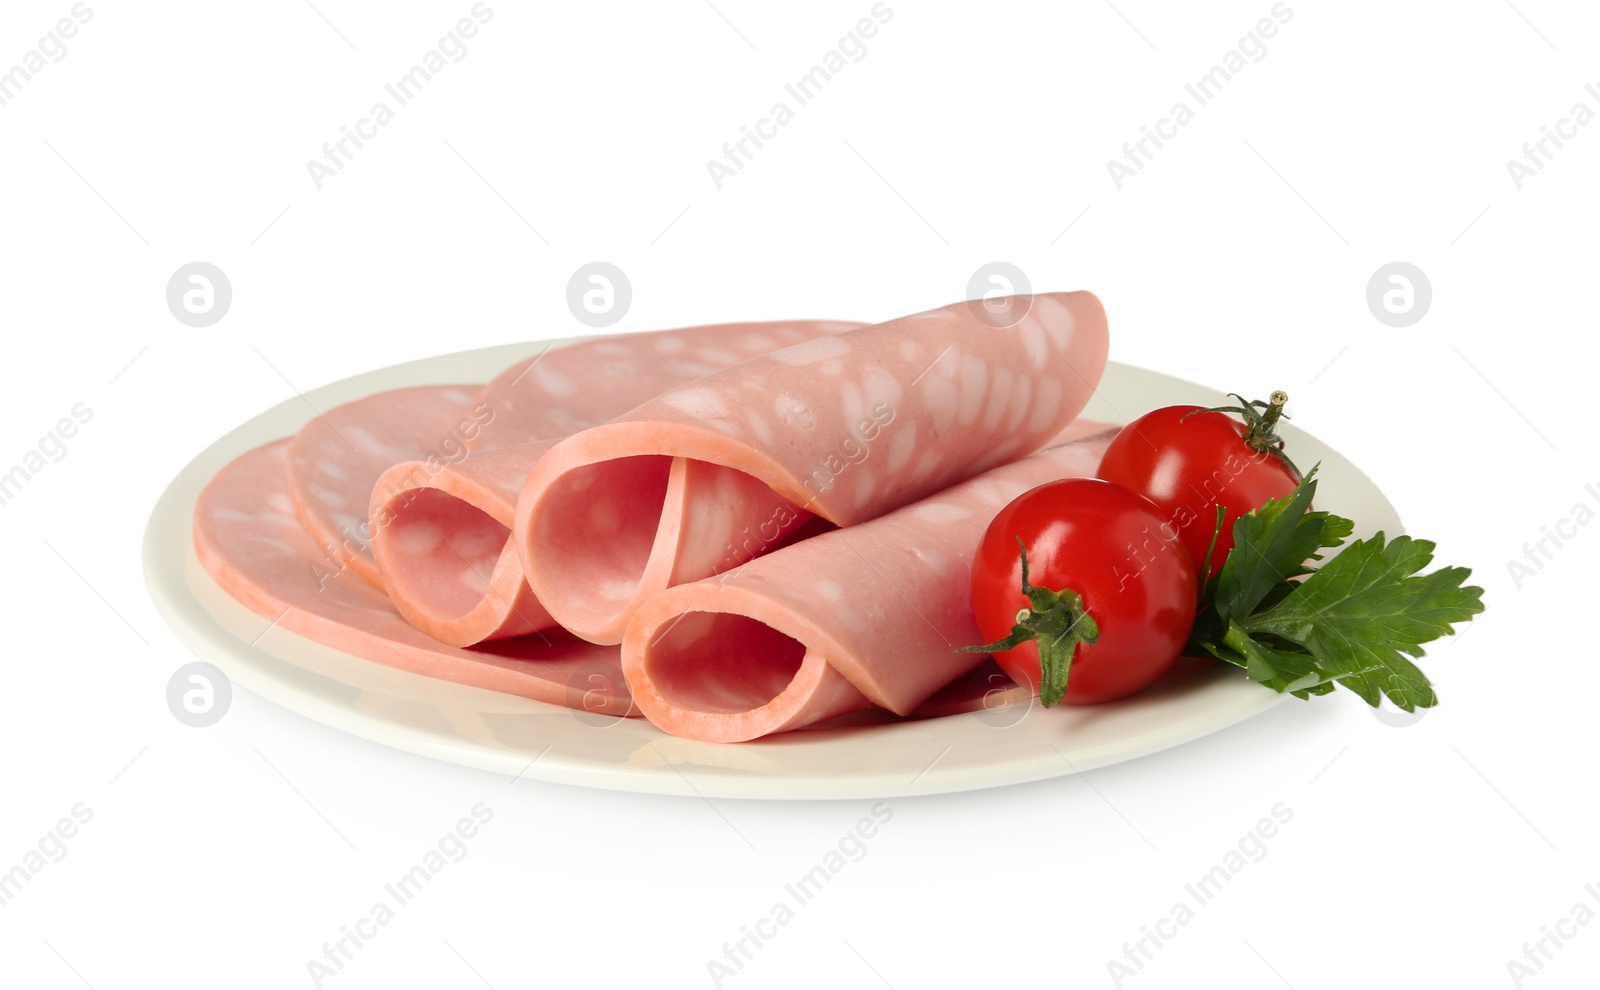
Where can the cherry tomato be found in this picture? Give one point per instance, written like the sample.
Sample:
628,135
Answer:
1109,600
1190,464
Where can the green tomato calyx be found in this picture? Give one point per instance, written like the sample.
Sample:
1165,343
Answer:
1057,622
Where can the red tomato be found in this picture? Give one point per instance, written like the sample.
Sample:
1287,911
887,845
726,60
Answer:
1189,466
1091,549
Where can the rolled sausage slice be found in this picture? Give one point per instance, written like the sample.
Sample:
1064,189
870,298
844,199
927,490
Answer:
439,527
870,614
570,387
335,459
845,427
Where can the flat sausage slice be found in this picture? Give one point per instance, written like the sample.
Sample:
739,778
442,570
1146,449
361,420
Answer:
249,541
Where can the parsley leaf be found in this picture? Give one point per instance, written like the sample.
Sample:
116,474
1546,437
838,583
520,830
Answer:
1359,620
1273,543
1290,670
1364,610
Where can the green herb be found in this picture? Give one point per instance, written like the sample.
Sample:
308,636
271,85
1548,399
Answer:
1359,620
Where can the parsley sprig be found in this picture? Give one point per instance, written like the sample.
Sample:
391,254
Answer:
1358,620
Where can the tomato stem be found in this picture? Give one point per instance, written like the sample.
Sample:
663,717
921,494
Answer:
1261,421
1057,622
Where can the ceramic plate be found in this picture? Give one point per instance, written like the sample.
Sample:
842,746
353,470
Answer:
520,737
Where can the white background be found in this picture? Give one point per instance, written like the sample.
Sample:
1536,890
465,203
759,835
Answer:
1239,257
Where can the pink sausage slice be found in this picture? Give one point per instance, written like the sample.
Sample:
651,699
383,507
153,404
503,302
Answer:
440,532
249,541
984,688
567,388
845,427
442,544
866,615
336,458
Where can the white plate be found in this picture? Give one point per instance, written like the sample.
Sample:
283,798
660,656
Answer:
516,736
